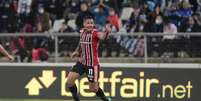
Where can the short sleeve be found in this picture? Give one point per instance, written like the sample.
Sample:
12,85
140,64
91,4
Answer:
95,34
81,31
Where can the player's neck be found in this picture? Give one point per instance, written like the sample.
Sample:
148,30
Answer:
87,31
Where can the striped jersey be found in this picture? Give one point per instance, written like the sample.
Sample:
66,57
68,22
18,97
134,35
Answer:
89,43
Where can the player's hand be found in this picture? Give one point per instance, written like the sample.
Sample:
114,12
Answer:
108,27
107,31
11,58
74,55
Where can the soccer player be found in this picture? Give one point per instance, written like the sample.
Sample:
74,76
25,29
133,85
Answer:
88,61
4,52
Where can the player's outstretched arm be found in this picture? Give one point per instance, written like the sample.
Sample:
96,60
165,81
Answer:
104,35
4,52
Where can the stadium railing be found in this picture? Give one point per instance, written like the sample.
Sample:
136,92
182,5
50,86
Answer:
56,35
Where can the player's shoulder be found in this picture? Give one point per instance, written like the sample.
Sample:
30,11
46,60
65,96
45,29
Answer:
81,30
95,30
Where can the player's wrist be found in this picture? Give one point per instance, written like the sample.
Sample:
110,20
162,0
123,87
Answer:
107,31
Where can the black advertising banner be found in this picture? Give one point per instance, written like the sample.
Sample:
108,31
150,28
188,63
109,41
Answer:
124,84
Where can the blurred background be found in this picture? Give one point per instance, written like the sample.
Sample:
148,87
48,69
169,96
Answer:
142,30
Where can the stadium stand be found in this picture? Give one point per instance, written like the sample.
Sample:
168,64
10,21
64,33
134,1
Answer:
126,16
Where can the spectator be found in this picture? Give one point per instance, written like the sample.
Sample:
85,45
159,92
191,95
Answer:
55,8
145,10
65,42
158,24
134,45
152,16
194,4
42,20
84,11
134,19
197,19
39,55
34,6
170,29
185,10
19,48
151,5
100,13
73,6
24,7
114,20
42,25
194,41
8,19
14,5
153,42
115,4
115,23
190,26
65,27
168,44
173,14
28,28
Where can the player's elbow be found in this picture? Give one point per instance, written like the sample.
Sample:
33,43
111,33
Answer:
101,36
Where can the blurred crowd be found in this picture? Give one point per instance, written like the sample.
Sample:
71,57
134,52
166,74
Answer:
125,16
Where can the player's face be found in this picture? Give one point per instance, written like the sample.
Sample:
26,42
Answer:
89,24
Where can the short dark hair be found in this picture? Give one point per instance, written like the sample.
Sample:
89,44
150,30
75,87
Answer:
88,17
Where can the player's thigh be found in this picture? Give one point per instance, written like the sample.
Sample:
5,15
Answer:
76,71
93,76
72,76
93,73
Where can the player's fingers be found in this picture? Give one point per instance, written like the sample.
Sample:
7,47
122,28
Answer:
74,55
12,59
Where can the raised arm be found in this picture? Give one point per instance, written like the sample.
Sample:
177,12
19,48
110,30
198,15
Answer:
104,35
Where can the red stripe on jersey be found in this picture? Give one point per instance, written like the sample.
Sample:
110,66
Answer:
83,48
81,55
89,47
91,50
87,50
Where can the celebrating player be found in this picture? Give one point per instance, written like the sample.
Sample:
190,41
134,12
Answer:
87,52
